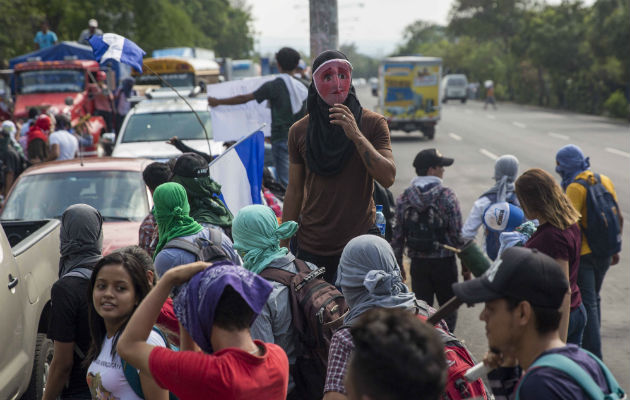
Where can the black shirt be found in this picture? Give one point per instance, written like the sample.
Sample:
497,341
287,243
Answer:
11,162
282,116
69,323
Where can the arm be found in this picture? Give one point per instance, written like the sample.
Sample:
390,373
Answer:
379,163
132,345
186,342
54,152
565,308
150,388
334,396
230,101
181,146
294,196
474,221
454,227
398,239
60,369
9,178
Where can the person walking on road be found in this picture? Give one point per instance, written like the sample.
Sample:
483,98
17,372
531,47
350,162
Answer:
489,96
522,292
574,168
286,95
336,152
427,215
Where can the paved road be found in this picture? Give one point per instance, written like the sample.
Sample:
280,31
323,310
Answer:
475,137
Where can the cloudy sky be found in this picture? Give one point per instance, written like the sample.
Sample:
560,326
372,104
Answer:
374,25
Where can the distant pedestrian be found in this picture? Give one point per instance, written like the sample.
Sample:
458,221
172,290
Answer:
286,96
523,292
37,139
489,95
336,153
45,37
87,33
121,100
11,166
103,100
428,215
574,168
153,175
63,145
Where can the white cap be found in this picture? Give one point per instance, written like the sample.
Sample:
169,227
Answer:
503,216
93,23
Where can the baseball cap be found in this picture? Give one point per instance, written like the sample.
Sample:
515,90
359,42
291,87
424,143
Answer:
93,23
502,217
191,165
431,158
520,273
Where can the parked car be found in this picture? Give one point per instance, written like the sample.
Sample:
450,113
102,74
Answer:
30,265
152,122
454,87
114,186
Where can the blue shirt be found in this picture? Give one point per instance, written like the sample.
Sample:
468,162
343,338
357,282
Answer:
45,39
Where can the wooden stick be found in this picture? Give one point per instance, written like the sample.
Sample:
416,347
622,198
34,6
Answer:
447,309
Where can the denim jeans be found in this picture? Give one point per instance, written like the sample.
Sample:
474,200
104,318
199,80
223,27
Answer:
280,153
590,278
577,322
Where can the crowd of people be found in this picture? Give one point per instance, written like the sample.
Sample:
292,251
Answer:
201,307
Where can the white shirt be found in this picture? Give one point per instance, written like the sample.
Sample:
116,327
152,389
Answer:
68,144
105,376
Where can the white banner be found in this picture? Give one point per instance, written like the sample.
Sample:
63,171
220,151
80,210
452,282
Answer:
230,122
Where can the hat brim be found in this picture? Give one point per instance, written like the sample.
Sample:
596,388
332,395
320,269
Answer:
445,162
475,291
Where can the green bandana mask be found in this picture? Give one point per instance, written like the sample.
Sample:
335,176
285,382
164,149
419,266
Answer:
205,204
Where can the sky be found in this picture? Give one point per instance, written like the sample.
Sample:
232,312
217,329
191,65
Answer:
375,26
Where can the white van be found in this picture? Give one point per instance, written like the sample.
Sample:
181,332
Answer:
454,87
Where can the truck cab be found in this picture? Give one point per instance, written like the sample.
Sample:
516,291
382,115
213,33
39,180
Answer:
69,86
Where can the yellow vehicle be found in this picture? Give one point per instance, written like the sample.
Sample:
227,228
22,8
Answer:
178,71
409,93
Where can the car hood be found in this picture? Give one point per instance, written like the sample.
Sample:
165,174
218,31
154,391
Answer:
119,234
162,150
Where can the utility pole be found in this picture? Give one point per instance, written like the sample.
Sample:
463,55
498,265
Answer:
323,26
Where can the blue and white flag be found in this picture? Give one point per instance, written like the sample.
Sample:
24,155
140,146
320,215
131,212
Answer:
118,48
239,171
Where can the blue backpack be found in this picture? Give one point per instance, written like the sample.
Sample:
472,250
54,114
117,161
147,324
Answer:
492,238
603,228
579,376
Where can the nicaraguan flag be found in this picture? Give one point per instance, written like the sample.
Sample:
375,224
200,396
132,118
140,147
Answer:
118,48
239,171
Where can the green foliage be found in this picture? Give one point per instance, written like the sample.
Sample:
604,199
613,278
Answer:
617,105
362,66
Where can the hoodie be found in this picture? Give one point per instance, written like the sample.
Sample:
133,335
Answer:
424,191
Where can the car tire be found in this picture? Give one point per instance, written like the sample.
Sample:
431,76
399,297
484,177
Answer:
429,132
444,100
463,101
41,365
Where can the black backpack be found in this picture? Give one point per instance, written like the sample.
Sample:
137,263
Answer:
603,228
423,230
317,310
203,249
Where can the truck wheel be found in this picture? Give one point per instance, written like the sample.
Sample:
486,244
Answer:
444,100
430,132
41,365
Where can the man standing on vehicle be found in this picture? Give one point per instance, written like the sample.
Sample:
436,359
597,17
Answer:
286,95
63,144
45,38
336,153
428,215
573,167
87,33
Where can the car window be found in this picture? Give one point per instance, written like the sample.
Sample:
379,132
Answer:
456,82
163,126
118,195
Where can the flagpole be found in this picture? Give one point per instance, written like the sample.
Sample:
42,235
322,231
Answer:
185,101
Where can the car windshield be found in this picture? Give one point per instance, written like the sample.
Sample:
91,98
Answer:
458,82
54,80
159,127
118,195
177,80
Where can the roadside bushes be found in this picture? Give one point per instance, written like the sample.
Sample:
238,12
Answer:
617,105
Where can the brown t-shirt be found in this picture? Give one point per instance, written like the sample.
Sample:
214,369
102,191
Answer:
340,207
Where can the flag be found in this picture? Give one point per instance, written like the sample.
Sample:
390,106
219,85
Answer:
118,48
239,171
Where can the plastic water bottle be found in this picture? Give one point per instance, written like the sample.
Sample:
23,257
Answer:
380,219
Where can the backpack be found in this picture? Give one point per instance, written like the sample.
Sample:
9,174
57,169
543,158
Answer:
133,377
603,230
203,249
317,310
492,238
579,376
423,230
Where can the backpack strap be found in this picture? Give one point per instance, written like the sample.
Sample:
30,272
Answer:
216,236
81,272
277,275
183,244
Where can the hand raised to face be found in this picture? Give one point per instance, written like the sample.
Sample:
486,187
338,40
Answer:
332,81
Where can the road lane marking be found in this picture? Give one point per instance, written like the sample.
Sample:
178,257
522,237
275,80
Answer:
490,116
488,154
454,136
518,124
558,136
617,152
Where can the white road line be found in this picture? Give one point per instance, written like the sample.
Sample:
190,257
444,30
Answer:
558,136
488,154
518,124
490,116
454,136
617,152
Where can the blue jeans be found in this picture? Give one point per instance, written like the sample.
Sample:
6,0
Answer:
590,278
280,153
577,322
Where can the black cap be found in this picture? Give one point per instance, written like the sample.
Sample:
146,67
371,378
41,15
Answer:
191,165
431,158
521,274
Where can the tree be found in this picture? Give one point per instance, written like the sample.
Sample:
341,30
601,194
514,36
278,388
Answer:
362,66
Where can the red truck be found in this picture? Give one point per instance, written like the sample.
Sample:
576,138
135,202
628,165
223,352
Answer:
70,86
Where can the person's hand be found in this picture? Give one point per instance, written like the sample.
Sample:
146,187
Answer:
213,101
342,116
183,273
466,274
172,140
494,360
615,259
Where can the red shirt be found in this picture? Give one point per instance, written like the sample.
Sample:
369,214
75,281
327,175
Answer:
227,374
168,320
562,244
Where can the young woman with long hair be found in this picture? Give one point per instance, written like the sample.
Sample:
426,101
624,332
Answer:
558,236
118,284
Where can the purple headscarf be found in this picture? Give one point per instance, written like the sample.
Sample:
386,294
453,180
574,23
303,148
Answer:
197,300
